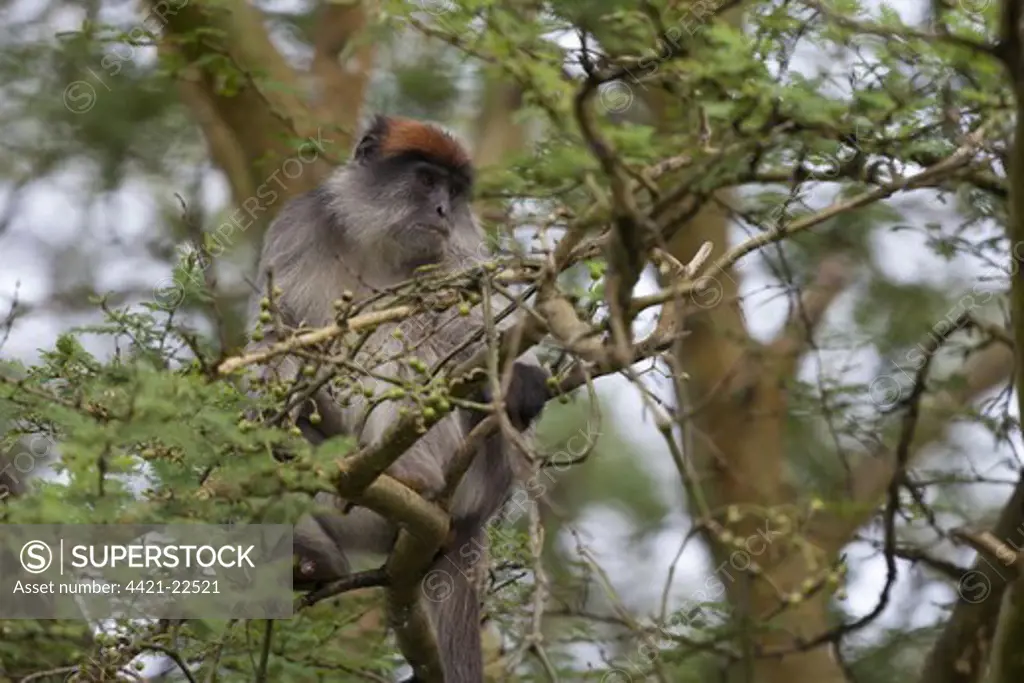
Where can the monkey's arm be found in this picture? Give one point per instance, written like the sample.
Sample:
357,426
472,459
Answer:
375,413
322,540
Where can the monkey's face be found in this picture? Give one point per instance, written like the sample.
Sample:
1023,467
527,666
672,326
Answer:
434,201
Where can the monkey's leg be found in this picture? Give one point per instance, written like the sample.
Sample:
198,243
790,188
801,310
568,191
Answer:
421,467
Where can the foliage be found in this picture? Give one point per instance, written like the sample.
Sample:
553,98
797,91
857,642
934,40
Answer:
816,128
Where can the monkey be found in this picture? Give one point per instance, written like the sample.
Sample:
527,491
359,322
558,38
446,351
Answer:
400,203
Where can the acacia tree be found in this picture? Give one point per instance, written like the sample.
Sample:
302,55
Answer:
681,142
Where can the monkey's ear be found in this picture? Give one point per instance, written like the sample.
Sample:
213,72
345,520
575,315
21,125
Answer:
371,139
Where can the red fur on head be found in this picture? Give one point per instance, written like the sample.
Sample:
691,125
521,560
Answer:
409,135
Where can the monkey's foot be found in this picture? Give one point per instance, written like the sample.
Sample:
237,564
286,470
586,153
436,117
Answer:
304,573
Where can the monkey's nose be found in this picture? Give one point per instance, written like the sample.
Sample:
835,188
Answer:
442,211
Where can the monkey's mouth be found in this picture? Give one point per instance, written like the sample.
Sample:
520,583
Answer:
441,230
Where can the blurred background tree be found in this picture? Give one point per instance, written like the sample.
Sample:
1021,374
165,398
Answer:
840,416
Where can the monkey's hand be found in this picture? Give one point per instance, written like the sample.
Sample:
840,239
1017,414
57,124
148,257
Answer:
527,393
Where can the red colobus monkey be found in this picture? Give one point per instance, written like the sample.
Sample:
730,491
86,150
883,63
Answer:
401,202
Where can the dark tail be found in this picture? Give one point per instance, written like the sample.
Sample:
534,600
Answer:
450,590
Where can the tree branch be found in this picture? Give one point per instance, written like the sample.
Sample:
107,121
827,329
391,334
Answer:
833,275
252,90
342,62
961,653
982,372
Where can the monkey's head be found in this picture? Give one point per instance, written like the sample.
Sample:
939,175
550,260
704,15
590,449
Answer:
408,188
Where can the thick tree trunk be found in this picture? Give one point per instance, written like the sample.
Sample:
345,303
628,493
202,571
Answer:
736,400
271,137
737,444
1008,658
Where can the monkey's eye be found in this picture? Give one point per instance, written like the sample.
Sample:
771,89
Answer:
426,178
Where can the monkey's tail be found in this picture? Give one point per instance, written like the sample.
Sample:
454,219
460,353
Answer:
450,589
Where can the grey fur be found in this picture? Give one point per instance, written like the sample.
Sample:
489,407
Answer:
352,234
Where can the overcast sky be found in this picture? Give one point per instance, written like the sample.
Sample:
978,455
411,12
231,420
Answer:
52,215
